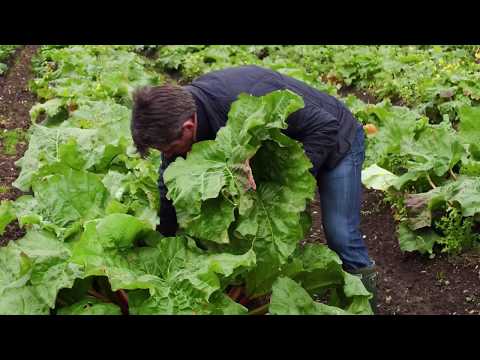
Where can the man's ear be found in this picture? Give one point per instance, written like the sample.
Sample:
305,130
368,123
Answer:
191,123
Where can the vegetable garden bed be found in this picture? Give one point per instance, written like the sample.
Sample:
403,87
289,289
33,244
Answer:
97,237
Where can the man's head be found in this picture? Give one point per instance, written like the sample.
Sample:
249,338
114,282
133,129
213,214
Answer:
164,118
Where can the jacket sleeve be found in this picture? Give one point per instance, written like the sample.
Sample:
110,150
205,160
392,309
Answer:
317,130
168,217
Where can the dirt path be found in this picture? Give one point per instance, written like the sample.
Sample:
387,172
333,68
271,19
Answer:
15,104
410,283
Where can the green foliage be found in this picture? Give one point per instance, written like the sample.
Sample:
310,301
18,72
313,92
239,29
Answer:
195,60
319,271
92,211
5,52
267,221
290,298
90,307
90,72
7,214
421,240
457,231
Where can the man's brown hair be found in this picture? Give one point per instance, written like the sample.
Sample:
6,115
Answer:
158,114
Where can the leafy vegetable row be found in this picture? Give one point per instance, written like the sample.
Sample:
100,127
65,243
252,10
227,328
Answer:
91,247
5,52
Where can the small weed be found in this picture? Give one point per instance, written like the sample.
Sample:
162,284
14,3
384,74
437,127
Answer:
457,231
10,139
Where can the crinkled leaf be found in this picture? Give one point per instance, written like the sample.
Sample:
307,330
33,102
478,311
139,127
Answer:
22,301
90,307
115,182
437,150
43,149
178,260
178,276
213,174
51,108
269,219
396,128
32,271
7,214
120,230
464,191
290,298
193,279
376,177
419,240
81,149
469,127
319,269
64,201
97,253
221,304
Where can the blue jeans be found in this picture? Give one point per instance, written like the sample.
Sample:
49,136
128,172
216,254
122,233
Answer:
340,197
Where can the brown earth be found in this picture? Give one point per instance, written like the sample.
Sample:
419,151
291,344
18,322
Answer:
410,283
15,104
361,94
367,97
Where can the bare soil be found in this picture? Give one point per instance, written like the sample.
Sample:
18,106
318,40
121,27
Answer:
15,104
368,97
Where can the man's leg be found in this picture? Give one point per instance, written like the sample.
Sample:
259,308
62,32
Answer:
340,196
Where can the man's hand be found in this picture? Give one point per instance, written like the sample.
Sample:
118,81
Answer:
250,179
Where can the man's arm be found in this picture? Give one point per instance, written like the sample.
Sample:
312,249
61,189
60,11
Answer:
168,217
317,130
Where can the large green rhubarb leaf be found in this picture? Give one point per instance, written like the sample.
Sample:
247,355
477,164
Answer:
421,240
469,127
273,224
465,191
290,298
92,138
90,307
378,178
436,151
216,204
44,148
176,275
63,201
396,126
7,214
194,278
102,251
32,271
319,270
211,183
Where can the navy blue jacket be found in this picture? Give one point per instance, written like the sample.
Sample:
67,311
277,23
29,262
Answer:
325,127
